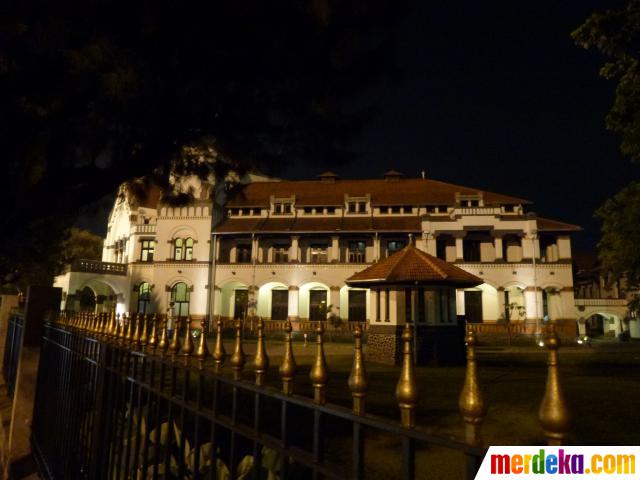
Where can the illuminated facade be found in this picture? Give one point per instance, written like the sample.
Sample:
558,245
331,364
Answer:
283,249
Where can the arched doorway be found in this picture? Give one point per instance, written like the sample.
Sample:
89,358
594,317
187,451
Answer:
88,299
594,325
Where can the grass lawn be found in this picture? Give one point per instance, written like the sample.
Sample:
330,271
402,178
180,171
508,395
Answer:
601,385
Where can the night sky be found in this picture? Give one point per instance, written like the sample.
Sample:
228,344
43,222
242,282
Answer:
496,96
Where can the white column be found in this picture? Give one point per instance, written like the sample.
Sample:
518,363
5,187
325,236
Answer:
497,245
294,296
294,251
334,300
335,249
459,248
501,305
393,306
430,240
233,254
254,249
383,305
373,306
376,248
533,303
217,298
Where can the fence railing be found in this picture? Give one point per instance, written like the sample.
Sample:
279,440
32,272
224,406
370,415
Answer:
12,349
118,400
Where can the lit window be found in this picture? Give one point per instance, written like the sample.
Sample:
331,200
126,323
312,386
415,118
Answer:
144,297
178,245
357,252
148,246
188,249
180,299
395,246
243,254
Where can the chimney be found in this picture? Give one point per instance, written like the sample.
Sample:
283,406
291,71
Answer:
328,177
393,176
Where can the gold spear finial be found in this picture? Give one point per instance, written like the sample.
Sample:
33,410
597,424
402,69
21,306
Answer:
202,352
163,343
119,326
144,336
219,353
238,357
319,374
187,342
472,406
174,346
153,337
129,335
261,361
135,340
358,378
554,413
104,327
112,325
406,390
288,367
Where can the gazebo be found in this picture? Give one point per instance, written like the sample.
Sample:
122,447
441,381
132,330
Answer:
413,286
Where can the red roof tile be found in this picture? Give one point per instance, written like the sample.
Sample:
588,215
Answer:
319,224
406,191
413,266
548,225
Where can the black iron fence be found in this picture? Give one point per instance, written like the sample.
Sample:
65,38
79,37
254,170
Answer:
12,349
117,402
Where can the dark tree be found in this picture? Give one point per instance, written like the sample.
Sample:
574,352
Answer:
616,34
93,93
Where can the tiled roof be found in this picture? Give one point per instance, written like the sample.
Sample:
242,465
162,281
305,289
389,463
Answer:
405,191
413,266
548,225
319,224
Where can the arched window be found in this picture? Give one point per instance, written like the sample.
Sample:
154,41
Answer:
180,299
188,249
178,249
144,297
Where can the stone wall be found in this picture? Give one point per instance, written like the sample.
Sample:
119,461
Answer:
384,344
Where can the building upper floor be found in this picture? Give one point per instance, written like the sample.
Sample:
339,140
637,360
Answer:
331,220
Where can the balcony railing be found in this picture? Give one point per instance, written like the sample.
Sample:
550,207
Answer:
96,266
477,211
601,302
146,228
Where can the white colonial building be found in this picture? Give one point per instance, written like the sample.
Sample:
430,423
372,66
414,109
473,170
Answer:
283,249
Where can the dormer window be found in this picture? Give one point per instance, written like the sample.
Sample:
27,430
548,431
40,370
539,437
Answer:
282,208
356,206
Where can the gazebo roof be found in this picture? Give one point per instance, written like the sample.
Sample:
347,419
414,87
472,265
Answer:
411,266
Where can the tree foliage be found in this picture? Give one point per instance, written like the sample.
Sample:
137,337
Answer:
616,34
94,93
619,247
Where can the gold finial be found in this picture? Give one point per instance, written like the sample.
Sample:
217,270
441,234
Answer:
288,367
136,332
129,335
406,391
319,374
202,352
174,346
104,327
119,326
163,343
238,357
112,325
554,413
153,337
187,341
219,353
358,378
144,336
471,404
261,361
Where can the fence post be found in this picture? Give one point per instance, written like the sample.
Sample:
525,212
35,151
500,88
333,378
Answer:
99,444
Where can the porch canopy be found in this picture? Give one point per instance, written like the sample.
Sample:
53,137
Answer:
413,267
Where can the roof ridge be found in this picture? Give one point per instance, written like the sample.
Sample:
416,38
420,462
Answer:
401,255
429,258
